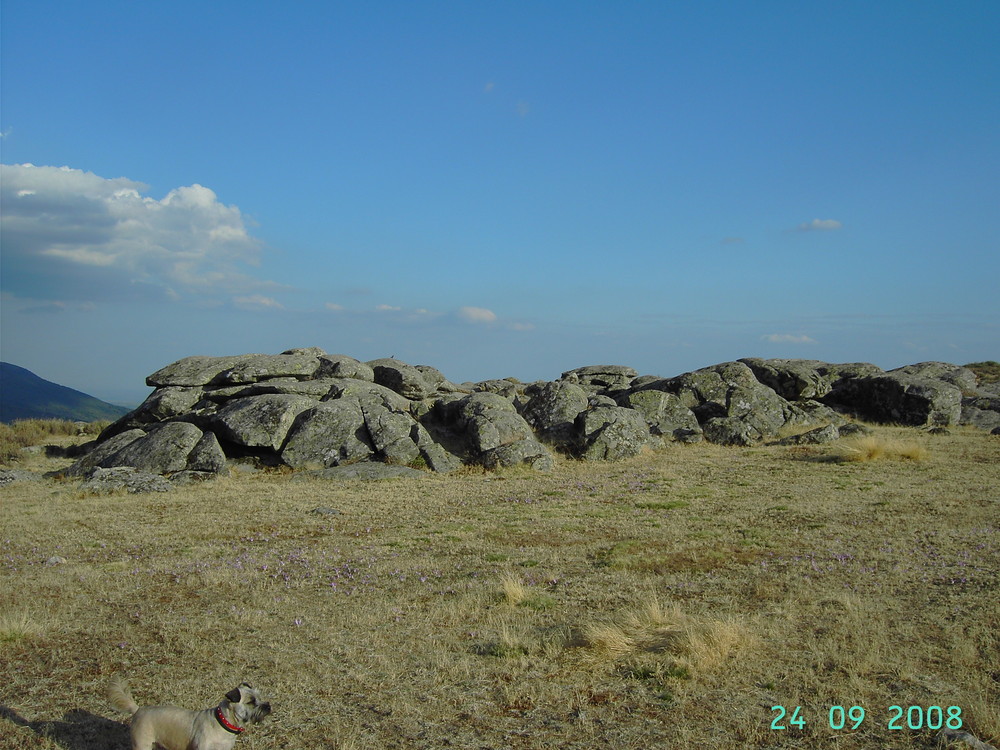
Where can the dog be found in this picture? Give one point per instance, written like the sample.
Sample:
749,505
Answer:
173,728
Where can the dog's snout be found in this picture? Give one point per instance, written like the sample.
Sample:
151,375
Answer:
265,708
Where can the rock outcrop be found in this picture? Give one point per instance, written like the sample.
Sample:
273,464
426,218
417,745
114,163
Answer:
320,412
902,398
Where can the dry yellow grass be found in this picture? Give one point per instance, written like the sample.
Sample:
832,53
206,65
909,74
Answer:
18,626
665,642
514,590
27,432
668,601
876,447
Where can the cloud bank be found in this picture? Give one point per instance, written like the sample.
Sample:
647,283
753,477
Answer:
74,234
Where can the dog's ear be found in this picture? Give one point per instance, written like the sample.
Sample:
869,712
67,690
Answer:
234,695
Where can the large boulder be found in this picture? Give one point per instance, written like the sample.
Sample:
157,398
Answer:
101,452
665,414
809,412
436,456
162,404
168,402
961,377
509,389
259,421
601,378
818,436
842,374
404,379
318,389
729,391
369,394
191,371
253,368
342,366
792,379
730,431
392,434
488,421
901,398
760,408
164,449
982,412
552,408
707,385
328,434
611,433
118,478
436,380
207,455
491,430
521,453
244,368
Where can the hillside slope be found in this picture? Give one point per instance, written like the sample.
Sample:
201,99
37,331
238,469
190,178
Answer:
24,395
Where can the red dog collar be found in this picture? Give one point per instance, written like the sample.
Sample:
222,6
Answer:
225,724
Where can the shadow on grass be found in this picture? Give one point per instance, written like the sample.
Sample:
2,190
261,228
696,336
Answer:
77,730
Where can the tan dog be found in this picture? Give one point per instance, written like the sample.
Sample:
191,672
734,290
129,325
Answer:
175,728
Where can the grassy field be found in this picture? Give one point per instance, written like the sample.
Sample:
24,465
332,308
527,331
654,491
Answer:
669,601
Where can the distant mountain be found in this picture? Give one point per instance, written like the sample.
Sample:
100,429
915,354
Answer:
24,395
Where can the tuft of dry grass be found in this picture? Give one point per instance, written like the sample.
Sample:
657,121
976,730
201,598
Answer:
683,643
514,590
876,448
18,626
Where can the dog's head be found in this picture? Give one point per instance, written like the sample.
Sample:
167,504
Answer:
244,705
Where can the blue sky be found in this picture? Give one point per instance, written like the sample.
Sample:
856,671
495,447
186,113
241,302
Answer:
497,189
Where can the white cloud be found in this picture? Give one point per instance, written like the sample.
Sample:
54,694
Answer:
488,87
787,338
387,308
523,109
96,237
820,225
333,306
477,315
257,302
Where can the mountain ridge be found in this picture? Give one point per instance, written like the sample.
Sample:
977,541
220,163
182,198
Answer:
25,395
